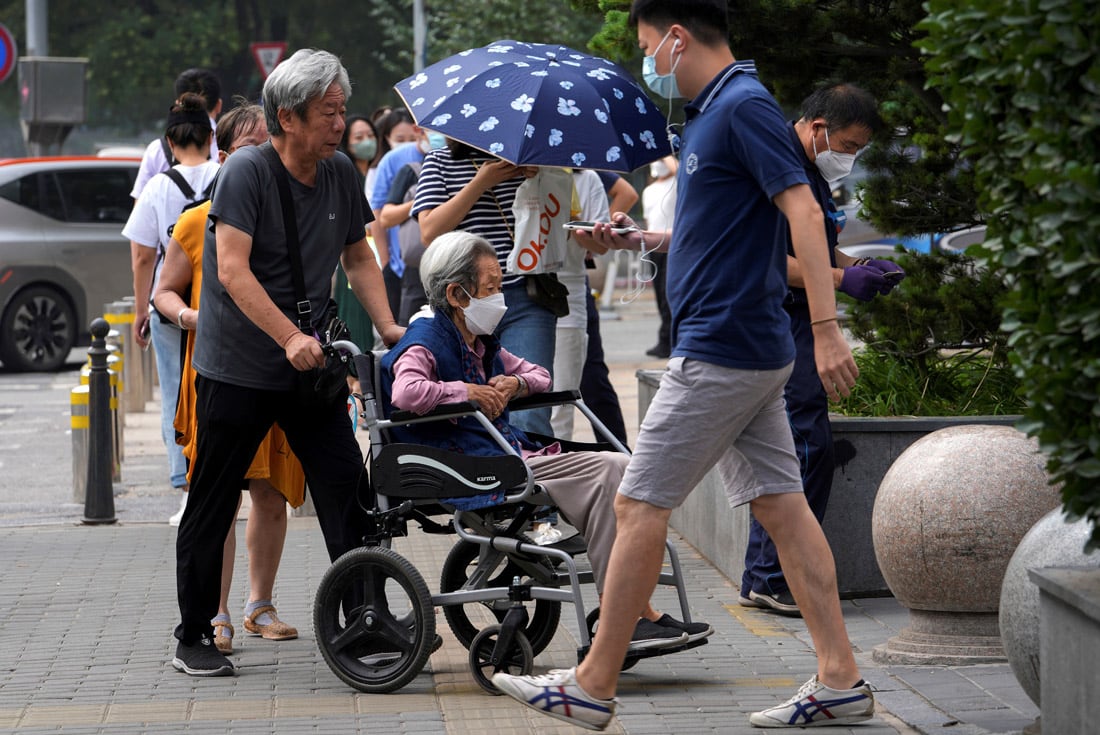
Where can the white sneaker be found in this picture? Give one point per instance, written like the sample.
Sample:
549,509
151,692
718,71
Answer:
558,695
175,519
816,704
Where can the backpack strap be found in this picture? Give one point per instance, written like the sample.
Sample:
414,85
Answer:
167,151
181,182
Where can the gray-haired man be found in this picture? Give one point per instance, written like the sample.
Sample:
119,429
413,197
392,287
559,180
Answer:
249,349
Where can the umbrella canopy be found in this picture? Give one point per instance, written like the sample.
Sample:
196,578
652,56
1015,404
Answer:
539,104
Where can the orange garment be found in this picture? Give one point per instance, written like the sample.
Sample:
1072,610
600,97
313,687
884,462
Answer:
274,461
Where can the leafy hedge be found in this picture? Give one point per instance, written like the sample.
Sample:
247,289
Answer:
934,346
1021,81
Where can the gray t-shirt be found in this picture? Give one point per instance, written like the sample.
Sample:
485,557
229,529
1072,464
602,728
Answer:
331,215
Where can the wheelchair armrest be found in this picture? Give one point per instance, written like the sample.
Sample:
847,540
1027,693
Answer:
443,410
542,400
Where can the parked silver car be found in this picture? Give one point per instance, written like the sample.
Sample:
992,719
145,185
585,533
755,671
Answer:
62,255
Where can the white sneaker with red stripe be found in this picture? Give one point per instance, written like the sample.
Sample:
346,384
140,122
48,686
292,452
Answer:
816,704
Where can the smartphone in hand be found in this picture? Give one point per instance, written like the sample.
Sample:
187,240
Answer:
585,225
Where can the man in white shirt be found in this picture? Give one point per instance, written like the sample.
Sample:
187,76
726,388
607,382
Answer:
658,206
157,157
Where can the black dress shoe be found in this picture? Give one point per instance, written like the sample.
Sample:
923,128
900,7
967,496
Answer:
661,351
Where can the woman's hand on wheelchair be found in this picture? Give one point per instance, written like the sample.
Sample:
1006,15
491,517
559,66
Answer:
491,399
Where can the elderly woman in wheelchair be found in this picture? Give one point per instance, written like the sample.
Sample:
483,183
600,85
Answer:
437,407
453,357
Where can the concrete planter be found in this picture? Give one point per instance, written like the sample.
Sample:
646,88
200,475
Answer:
1069,611
865,449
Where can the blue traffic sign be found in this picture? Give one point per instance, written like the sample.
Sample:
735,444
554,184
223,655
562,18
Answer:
7,53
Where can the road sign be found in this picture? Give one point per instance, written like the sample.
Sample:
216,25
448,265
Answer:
8,53
267,54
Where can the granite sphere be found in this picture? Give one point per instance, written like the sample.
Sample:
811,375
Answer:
1052,542
952,509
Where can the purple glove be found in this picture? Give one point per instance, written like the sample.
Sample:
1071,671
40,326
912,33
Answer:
890,270
863,282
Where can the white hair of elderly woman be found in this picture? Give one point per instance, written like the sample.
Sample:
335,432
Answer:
452,258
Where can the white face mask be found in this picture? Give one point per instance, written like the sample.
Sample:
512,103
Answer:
832,165
657,169
483,315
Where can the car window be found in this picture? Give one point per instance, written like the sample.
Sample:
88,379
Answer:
24,191
95,195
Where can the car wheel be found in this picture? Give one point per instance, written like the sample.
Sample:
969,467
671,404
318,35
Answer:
38,330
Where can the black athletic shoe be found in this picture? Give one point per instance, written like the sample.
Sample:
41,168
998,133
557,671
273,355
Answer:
695,630
659,351
780,602
648,634
202,658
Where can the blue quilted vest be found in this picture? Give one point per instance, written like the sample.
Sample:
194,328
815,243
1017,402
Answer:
441,337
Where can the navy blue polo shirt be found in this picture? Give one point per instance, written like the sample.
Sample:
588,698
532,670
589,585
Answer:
727,267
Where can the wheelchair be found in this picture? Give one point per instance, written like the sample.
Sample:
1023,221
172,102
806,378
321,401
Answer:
501,594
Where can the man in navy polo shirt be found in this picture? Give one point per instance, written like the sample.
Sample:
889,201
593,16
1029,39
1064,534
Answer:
740,186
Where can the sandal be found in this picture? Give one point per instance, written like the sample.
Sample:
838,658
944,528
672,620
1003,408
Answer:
222,641
276,630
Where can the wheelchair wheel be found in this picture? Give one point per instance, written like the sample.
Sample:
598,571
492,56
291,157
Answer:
466,620
374,619
519,660
590,622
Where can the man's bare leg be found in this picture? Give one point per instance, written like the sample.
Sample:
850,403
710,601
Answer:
808,566
632,575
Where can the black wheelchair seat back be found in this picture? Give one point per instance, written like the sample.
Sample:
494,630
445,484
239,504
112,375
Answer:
416,471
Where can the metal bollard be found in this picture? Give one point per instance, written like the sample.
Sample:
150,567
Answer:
116,416
99,503
78,405
118,419
120,314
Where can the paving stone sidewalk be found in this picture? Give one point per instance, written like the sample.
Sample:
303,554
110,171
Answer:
86,615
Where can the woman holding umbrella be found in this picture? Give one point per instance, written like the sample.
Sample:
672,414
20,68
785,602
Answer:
528,105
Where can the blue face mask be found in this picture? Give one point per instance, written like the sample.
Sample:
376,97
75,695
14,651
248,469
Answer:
437,140
663,85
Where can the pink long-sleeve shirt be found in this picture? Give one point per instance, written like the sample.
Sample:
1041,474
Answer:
417,387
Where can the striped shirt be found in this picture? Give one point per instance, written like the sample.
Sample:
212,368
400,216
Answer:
491,217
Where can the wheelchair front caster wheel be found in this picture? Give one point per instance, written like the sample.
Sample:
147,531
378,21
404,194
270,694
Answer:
518,660
489,568
374,619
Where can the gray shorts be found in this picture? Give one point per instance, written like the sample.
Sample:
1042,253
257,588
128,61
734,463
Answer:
706,415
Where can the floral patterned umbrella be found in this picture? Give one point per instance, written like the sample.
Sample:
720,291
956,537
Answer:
539,105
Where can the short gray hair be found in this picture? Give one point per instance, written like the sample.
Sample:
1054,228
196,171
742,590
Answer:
452,258
295,82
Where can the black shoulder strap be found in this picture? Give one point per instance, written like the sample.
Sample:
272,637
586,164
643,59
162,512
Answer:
290,226
181,182
167,151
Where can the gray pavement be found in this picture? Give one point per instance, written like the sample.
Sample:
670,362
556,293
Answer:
86,614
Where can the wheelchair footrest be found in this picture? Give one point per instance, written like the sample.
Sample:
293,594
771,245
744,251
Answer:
632,657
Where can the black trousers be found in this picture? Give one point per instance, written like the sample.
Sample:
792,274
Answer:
664,329
596,388
232,421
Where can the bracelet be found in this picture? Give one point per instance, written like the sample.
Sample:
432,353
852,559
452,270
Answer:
815,322
179,319
522,386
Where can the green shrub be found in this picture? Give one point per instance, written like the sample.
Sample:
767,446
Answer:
933,346
1021,81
